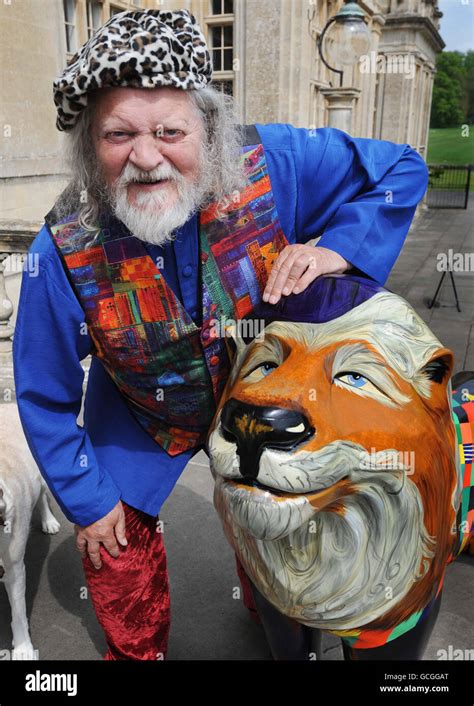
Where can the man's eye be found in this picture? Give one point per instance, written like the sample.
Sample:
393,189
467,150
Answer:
116,135
172,133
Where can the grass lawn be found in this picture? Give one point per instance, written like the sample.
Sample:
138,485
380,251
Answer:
447,145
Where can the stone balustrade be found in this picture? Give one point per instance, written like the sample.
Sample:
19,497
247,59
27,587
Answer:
14,245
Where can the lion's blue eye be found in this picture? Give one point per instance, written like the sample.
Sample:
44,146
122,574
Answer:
267,368
354,379
260,371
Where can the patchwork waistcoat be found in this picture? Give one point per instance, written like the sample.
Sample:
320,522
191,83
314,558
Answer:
170,371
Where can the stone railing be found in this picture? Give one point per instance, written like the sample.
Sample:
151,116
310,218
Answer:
14,244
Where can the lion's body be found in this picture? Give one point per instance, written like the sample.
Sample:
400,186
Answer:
351,530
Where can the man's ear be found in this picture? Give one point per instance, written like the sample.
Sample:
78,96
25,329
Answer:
439,370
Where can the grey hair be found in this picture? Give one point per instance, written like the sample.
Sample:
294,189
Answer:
223,141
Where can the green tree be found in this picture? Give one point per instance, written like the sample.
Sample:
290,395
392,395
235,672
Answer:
450,90
469,65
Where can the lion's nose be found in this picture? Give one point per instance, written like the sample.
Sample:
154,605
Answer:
255,428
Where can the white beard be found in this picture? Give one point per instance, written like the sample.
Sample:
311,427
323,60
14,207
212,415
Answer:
324,569
150,219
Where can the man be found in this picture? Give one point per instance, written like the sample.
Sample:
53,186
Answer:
175,219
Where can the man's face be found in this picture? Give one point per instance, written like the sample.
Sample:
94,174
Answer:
149,145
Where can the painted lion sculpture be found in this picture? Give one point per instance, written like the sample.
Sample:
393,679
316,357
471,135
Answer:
342,467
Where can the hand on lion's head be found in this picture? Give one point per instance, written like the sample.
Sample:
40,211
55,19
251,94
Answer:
333,454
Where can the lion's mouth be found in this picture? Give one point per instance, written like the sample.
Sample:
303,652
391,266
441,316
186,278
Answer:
317,498
269,514
261,486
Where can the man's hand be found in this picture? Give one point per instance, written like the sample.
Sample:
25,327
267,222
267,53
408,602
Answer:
297,266
106,531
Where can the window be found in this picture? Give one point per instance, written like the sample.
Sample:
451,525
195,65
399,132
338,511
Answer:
222,7
115,10
94,16
221,40
69,7
224,86
222,37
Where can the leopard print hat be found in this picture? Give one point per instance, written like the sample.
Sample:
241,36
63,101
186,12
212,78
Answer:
142,49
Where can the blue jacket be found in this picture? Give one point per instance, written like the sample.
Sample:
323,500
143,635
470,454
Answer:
358,194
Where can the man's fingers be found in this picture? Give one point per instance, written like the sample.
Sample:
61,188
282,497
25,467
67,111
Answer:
120,530
81,544
285,253
107,530
111,545
288,273
302,266
280,270
305,279
93,550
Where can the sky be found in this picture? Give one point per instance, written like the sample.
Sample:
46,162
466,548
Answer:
457,24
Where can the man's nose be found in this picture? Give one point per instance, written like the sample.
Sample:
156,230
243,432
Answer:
255,428
146,153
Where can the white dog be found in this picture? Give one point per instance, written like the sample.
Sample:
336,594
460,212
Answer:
21,486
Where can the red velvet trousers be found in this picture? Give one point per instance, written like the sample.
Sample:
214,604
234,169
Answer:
130,594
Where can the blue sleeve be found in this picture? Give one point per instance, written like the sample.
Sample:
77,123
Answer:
358,194
50,341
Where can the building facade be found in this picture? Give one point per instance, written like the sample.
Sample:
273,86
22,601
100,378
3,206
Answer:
264,53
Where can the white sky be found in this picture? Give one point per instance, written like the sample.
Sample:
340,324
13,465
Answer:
457,24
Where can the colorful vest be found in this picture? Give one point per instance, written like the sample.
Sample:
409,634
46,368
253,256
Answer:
170,371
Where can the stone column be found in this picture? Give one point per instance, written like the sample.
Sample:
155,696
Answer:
340,105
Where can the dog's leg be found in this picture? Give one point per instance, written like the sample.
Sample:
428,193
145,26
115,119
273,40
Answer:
15,585
49,523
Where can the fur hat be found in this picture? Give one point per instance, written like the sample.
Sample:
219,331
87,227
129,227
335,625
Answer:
142,49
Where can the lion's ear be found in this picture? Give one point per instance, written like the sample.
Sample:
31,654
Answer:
233,340
439,369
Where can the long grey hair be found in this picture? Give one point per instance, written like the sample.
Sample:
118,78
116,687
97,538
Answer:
86,191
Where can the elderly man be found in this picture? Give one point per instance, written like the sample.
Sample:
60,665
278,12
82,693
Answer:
175,218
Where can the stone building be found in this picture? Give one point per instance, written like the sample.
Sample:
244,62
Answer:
264,52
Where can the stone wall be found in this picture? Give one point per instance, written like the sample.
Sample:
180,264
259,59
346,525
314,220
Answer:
278,77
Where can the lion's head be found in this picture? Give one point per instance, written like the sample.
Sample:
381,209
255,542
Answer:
334,456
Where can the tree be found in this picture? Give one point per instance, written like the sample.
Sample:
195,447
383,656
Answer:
469,64
451,91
